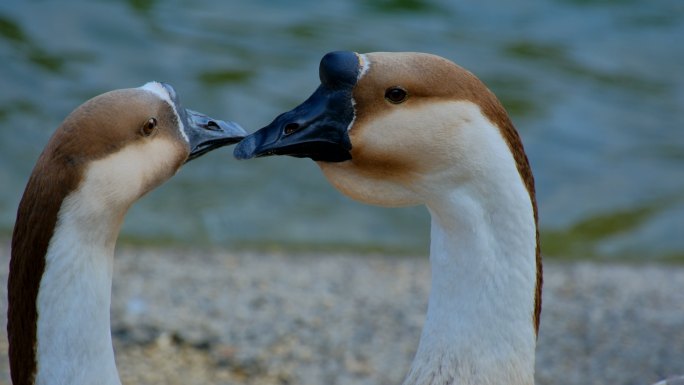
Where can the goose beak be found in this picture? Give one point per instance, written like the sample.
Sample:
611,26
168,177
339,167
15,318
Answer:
318,128
206,134
202,132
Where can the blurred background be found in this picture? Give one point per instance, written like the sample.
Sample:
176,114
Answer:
595,87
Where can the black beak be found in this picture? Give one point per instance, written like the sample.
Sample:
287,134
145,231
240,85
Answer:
206,134
317,128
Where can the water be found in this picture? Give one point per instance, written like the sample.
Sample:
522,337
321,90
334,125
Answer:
596,88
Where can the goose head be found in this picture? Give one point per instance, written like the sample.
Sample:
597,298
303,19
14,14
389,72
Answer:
393,129
107,153
129,141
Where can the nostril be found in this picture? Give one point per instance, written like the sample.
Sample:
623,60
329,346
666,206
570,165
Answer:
290,128
212,125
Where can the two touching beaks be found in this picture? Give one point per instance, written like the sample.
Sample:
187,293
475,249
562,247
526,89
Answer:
316,129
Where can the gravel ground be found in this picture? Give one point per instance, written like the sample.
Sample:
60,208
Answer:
216,317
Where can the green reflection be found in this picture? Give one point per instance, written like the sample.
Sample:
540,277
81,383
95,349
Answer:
51,63
17,107
531,50
142,6
220,77
558,57
582,239
515,94
304,31
403,5
10,30
599,2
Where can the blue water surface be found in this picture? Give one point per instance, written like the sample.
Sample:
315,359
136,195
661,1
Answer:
595,87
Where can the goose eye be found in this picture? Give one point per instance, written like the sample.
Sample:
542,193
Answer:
396,95
149,126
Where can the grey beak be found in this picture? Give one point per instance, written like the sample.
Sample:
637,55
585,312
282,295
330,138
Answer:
206,134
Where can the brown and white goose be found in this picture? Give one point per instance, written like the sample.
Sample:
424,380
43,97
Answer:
398,129
106,154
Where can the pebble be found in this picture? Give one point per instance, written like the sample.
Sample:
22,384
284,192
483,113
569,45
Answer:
217,317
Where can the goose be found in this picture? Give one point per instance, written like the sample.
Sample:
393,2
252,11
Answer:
106,154
399,129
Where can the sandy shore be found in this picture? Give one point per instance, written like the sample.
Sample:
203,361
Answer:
191,317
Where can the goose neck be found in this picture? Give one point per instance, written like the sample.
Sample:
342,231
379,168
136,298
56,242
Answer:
479,327
74,344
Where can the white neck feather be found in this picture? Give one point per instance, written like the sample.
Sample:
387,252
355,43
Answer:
479,327
74,344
